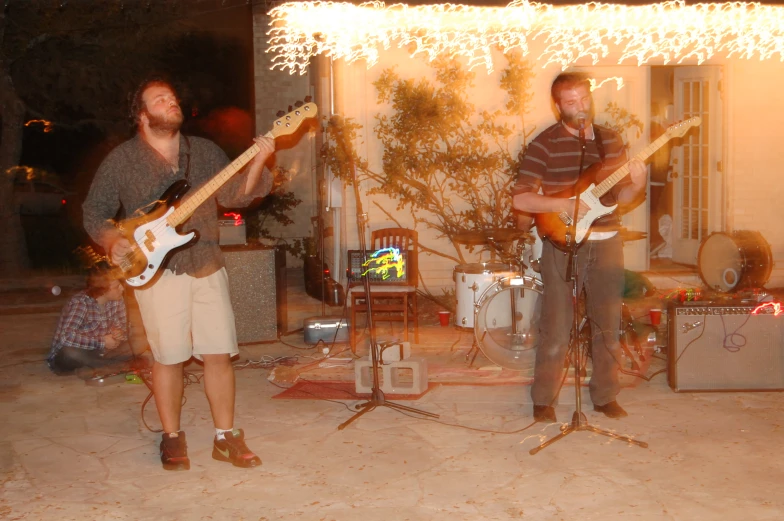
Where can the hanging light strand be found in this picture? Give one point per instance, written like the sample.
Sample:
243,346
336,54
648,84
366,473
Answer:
668,32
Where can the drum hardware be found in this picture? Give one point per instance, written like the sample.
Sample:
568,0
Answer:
738,261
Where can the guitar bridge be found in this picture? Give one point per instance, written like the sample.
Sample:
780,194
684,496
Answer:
565,218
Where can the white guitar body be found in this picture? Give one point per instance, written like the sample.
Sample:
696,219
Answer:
597,211
154,240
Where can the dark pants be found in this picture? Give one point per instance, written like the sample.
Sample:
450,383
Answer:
68,359
600,272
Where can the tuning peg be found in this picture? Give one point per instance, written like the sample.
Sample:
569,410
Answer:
298,104
280,114
308,99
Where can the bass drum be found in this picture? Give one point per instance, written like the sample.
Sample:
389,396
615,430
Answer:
471,280
507,321
735,262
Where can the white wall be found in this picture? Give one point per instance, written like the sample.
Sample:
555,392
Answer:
755,154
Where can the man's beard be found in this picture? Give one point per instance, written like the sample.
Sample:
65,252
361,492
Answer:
573,120
165,124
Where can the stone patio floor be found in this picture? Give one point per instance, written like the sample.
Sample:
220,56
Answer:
69,451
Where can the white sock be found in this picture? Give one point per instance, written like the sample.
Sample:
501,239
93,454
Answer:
221,433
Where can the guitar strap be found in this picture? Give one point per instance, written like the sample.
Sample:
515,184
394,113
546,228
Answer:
597,138
188,159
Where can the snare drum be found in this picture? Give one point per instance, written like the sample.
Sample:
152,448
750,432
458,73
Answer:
734,262
471,280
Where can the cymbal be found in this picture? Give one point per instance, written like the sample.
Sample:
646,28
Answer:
477,237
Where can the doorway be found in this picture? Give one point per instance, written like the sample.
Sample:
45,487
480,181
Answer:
686,178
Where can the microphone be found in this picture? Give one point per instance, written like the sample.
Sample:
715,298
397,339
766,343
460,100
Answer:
581,125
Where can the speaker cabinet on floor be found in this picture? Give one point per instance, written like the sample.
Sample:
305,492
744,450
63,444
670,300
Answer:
257,283
725,347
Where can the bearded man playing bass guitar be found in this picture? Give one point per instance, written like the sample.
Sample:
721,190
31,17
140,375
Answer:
186,310
552,164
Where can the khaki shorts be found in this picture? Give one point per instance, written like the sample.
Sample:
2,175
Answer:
186,316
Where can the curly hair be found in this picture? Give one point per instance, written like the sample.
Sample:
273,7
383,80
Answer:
136,101
99,280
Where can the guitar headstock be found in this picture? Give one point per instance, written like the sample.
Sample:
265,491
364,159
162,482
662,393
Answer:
287,124
682,127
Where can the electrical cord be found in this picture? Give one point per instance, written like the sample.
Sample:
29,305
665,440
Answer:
734,347
146,377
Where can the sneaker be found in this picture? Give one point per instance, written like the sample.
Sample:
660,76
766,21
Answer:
611,410
233,449
544,413
174,452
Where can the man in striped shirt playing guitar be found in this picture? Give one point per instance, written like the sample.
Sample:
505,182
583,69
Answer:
548,173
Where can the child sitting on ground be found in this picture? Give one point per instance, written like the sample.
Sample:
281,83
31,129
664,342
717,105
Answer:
93,329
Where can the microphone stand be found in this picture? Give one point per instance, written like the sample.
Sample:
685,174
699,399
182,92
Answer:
377,398
579,421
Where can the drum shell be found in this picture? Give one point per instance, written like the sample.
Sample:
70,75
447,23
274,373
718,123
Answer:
511,348
471,280
737,261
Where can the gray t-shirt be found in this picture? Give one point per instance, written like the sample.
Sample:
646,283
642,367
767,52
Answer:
134,176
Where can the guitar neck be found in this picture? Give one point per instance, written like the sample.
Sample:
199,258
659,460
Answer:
613,179
190,204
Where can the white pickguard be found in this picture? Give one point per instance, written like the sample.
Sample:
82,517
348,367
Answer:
596,211
155,239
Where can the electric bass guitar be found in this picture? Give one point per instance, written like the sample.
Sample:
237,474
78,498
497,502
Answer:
556,226
154,235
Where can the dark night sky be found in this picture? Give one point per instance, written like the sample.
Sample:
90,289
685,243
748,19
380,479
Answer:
69,151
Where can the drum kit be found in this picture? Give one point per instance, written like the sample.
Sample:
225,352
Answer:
500,300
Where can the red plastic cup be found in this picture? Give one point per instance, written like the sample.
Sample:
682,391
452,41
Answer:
443,317
655,315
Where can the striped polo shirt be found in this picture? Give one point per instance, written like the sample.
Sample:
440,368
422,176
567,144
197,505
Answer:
552,164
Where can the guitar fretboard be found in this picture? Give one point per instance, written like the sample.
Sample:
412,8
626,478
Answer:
282,126
190,204
613,179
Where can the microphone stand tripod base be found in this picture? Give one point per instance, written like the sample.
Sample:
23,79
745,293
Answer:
377,399
580,423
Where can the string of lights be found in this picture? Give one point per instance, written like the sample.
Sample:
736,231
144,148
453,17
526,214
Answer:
667,32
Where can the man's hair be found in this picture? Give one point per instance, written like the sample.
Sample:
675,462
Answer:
136,101
99,280
568,80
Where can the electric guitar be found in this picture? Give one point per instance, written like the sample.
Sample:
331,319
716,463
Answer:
556,226
154,235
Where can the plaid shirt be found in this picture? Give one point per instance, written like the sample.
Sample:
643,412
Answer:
84,323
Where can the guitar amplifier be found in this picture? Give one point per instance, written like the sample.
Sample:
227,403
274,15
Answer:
381,269
725,347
